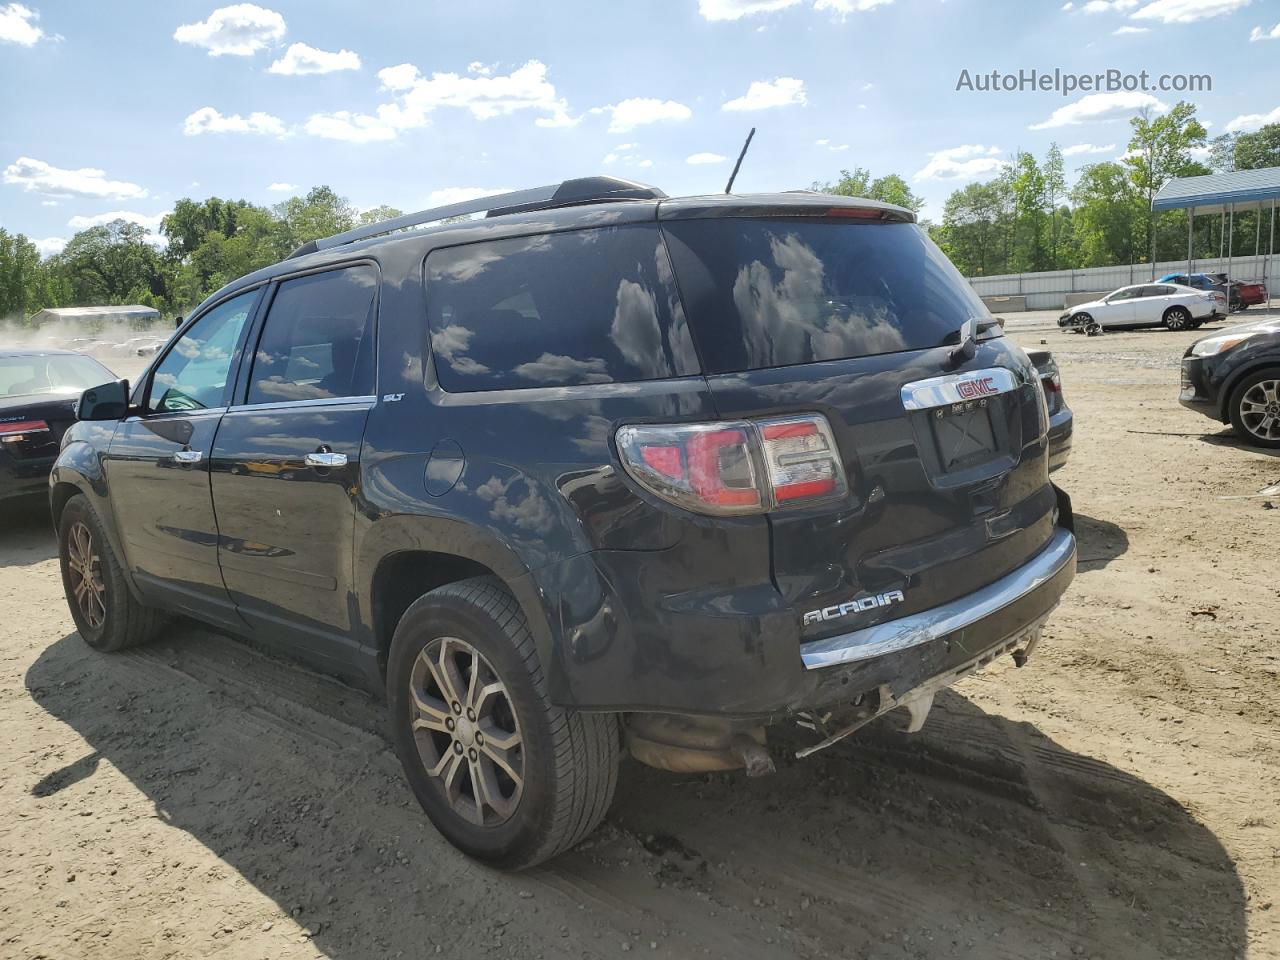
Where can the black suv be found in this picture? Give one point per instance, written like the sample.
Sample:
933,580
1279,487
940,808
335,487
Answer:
601,470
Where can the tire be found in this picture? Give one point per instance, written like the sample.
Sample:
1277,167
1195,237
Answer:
1254,408
1080,320
567,762
107,615
1177,318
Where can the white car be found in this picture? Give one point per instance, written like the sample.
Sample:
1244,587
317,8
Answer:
1148,305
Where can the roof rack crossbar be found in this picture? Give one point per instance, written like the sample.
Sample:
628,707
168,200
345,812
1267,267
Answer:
568,193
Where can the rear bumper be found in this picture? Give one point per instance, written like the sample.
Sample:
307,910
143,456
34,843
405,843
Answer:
1061,427
28,477
974,622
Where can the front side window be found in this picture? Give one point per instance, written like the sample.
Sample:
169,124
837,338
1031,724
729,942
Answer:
317,341
556,310
196,372
1129,293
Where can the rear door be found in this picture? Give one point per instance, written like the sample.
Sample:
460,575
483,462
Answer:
158,464
1148,309
859,321
286,462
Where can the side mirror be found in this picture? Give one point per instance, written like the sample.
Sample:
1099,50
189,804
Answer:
110,401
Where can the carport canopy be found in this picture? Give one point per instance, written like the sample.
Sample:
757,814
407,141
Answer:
1219,192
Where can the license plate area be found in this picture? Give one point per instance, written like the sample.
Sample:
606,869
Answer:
963,435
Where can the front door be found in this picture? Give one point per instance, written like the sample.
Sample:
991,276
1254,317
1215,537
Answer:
158,465
1118,308
286,462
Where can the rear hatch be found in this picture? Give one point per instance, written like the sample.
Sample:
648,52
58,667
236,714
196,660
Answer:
853,313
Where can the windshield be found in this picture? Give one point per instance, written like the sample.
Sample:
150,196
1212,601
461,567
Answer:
773,292
50,373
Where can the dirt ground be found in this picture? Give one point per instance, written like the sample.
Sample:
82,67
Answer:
1117,798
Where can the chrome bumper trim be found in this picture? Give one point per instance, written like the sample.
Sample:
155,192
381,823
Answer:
917,628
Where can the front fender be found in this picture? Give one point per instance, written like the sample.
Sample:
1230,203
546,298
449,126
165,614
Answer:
80,469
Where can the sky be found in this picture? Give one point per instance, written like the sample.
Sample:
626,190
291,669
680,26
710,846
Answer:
120,108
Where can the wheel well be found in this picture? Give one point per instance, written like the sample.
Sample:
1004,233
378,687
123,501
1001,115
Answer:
58,498
403,577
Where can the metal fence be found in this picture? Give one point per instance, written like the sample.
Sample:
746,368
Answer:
1049,291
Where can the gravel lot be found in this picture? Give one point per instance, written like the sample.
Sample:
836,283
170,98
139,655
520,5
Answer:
1118,798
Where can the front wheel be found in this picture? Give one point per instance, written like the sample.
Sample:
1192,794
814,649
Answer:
1177,318
505,775
1255,408
106,614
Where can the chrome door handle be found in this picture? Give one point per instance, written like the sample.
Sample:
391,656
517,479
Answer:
188,456
325,459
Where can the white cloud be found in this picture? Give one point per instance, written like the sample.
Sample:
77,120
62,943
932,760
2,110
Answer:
736,9
1126,31
1187,11
484,95
698,159
1258,33
152,223
1109,6
209,120
50,245
40,177
1077,149
845,7
283,187
239,30
301,59
960,163
641,111
475,66
834,147
764,94
1252,121
18,25
623,153
1068,5
352,127
447,195
1098,107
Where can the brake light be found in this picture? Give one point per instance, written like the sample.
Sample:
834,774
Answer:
857,213
738,467
15,430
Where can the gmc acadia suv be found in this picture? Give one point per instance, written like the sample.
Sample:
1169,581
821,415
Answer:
598,471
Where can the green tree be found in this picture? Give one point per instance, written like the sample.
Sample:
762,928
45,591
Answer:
378,214
1055,187
190,221
1107,212
890,188
1258,149
321,213
111,264
975,220
21,276
1031,215
1159,150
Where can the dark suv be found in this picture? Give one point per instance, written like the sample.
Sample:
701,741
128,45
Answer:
601,470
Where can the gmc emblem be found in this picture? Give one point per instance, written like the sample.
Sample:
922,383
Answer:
972,389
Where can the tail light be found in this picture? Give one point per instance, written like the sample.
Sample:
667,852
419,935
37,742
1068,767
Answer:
738,467
15,430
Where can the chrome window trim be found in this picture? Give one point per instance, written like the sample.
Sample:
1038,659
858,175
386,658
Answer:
314,402
163,414
928,625
945,390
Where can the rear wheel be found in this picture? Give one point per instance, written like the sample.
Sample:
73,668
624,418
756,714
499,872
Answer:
106,614
1255,408
1177,318
505,775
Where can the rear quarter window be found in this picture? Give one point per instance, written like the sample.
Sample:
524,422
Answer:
555,310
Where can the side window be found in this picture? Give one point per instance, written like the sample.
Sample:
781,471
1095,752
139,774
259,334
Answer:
1128,293
585,306
196,372
317,342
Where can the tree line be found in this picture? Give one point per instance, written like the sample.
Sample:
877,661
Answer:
207,243
1026,218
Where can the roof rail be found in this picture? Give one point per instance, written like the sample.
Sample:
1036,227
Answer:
569,193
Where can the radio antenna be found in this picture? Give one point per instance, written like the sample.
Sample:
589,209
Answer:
728,187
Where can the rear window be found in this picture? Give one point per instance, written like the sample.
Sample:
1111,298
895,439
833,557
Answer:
555,310
51,373
770,293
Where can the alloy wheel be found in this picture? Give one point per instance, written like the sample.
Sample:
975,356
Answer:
86,575
467,732
1177,319
1260,410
